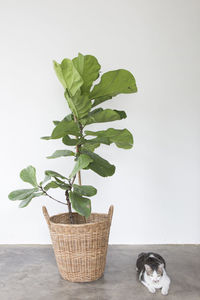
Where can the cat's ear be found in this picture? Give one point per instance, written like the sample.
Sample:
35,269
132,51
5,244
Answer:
161,267
147,268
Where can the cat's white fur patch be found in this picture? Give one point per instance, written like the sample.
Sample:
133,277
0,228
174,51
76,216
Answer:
162,284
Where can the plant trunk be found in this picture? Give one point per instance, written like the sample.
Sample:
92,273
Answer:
69,208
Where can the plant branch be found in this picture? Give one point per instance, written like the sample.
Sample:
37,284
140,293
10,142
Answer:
46,194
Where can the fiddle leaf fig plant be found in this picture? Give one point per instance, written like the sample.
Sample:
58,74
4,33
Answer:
77,77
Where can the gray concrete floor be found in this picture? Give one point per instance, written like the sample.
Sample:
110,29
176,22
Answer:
30,272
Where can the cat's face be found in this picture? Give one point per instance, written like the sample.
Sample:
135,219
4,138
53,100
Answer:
154,275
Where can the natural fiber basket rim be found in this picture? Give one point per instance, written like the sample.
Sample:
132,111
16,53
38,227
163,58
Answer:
80,225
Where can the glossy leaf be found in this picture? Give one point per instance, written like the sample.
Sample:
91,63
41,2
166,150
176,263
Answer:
64,128
68,76
46,138
60,153
102,140
54,185
121,113
82,162
99,165
67,118
106,115
113,83
54,174
21,194
80,204
121,137
88,67
68,141
85,190
29,175
26,201
79,104
90,146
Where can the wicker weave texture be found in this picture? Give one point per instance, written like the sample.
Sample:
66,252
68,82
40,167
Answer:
80,249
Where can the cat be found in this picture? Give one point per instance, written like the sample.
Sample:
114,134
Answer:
151,268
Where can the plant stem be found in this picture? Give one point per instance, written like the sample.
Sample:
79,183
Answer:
78,147
46,194
69,207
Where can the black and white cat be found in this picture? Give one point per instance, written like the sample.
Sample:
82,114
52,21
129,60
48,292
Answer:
152,273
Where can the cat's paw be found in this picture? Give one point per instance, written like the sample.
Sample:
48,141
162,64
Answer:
164,292
151,289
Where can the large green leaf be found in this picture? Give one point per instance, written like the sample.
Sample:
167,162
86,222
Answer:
68,76
113,83
54,174
79,104
99,165
29,175
82,162
121,137
88,67
106,115
60,153
26,201
21,194
85,190
80,204
64,128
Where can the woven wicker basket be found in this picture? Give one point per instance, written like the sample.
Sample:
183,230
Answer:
80,248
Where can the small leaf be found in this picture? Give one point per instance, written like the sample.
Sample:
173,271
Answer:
80,204
68,141
56,184
46,178
65,127
29,175
54,174
113,83
99,165
67,118
21,194
82,162
60,153
46,138
25,202
51,185
85,190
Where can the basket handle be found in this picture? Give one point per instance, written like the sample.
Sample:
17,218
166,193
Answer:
46,215
110,213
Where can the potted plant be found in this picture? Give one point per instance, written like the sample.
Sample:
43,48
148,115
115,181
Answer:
80,238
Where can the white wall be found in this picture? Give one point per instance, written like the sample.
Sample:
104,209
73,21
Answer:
155,190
